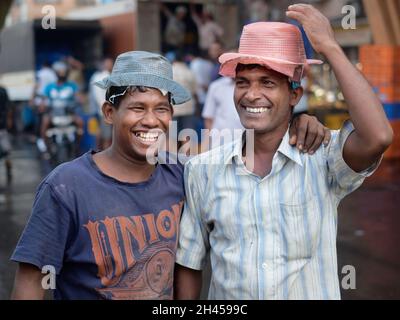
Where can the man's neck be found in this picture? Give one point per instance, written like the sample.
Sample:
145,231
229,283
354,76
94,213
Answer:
116,164
265,146
268,143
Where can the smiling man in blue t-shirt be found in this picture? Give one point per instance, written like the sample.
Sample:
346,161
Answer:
107,222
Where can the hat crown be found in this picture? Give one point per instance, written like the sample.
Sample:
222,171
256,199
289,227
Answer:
141,68
273,40
142,62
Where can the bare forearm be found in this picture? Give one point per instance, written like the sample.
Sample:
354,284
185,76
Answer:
373,133
366,112
28,283
187,284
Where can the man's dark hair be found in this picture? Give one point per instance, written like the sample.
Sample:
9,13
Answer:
114,90
241,67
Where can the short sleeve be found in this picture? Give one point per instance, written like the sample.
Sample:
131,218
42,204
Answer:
342,178
44,239
193,242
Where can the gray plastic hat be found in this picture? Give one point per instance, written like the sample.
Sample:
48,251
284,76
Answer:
141,68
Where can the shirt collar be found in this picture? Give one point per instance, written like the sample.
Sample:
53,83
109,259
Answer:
284,148
290,151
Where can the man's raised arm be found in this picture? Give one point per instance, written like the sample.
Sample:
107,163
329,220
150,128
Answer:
373,133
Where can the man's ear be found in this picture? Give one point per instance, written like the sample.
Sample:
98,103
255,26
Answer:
108,112
295,96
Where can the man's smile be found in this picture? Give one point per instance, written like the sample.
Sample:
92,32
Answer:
147,137
255,109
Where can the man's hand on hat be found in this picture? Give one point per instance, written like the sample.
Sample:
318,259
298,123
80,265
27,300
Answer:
316,26
307,133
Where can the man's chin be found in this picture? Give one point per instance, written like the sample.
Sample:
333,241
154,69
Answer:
257,127
143,153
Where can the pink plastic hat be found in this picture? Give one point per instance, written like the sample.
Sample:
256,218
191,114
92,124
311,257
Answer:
275,45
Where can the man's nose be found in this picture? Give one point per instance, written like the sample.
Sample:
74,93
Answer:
149,120
253,93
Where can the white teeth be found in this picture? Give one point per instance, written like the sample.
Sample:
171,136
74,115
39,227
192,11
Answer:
256,110
147,136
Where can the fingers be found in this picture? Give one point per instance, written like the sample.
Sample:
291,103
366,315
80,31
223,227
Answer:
295,15
302,127
327,136
301,7
312,133
318,140
292,132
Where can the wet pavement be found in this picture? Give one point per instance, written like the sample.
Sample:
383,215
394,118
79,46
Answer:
369,237
17,199
368,233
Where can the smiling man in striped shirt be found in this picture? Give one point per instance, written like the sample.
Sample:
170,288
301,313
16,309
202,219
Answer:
271,227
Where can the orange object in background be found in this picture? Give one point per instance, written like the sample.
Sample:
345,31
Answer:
388,94
393,152
381,66
381,54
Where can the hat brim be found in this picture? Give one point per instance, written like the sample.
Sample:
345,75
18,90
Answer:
229,62
179,94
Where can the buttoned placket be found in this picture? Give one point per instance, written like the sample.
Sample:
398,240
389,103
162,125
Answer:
266,267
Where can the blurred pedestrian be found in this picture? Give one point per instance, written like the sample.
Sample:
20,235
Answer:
44,76
175,30
75,72
215,50
209,31
184,114
5,124
257,10
96,100
62,101
220,114
202,68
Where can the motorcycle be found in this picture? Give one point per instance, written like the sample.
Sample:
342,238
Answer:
62,139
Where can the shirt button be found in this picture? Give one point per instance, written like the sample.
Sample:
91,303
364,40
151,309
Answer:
264,266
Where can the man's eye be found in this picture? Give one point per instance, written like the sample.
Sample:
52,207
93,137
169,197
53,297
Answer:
268,83
162,109
136,109
240,83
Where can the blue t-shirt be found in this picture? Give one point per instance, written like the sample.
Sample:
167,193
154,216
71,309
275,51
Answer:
105,238
61,97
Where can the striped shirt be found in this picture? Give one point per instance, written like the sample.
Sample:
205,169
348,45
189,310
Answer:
271,237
